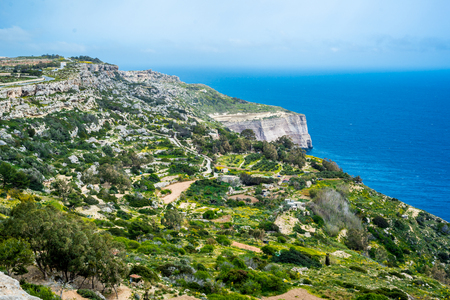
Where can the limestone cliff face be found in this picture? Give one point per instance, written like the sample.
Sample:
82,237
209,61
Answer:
270,126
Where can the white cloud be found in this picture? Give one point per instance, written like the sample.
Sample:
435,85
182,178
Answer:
14,34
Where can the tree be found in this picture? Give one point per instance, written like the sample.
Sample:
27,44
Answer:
172,219
270,151
62,188
248,134
15,255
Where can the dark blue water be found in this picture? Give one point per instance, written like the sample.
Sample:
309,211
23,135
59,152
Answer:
392,129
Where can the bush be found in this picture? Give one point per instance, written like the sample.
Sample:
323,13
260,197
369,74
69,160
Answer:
146,273
356,239
133,245
207,249
137,202
380,222
268,226
295,257
223,240
281,239
91,200
372,296
149,249
251,287
40,291
237,277
209,215
88,294
269,250
358,269
318,220
334,209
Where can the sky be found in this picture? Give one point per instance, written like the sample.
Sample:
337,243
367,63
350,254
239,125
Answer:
285,34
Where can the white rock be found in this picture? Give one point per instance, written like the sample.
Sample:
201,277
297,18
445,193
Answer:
73,159
10,289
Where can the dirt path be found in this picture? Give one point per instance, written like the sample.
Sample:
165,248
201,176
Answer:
177,189
71,294
123,292
295,294
246,247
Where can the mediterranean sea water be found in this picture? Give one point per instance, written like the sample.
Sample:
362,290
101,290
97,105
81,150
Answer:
391,128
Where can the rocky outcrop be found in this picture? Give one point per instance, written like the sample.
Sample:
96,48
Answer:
148,75
84,79
270,126
10,289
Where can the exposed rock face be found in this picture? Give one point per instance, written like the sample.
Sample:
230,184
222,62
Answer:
148,75
270,126
10,289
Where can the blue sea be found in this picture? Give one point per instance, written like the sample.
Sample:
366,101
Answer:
391,128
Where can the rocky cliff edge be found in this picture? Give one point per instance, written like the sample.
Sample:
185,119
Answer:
269,126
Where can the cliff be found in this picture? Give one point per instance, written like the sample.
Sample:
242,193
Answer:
270,126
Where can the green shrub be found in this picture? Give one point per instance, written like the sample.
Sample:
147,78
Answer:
91,200
318,220
281,239
239,263
358,269
229,296
223,240
146,273
299,229
209,215
88,294
295,257
237,277
133,244
251,287
149,249
207,249
269,250
372,296
43,292
356,239
268,226
380,222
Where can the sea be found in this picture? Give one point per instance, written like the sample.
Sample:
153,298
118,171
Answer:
391,128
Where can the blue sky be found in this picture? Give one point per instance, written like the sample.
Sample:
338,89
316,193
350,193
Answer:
293,34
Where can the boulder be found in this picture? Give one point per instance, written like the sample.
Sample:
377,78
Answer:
10,289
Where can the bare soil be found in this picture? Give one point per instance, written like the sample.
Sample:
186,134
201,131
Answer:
242,197
295,294
177,189
223,219
246,247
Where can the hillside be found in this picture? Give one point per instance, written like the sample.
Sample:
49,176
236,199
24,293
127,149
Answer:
106,174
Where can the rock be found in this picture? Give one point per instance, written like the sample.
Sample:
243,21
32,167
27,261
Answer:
73,159
100,295
270,125
10,289
107,209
